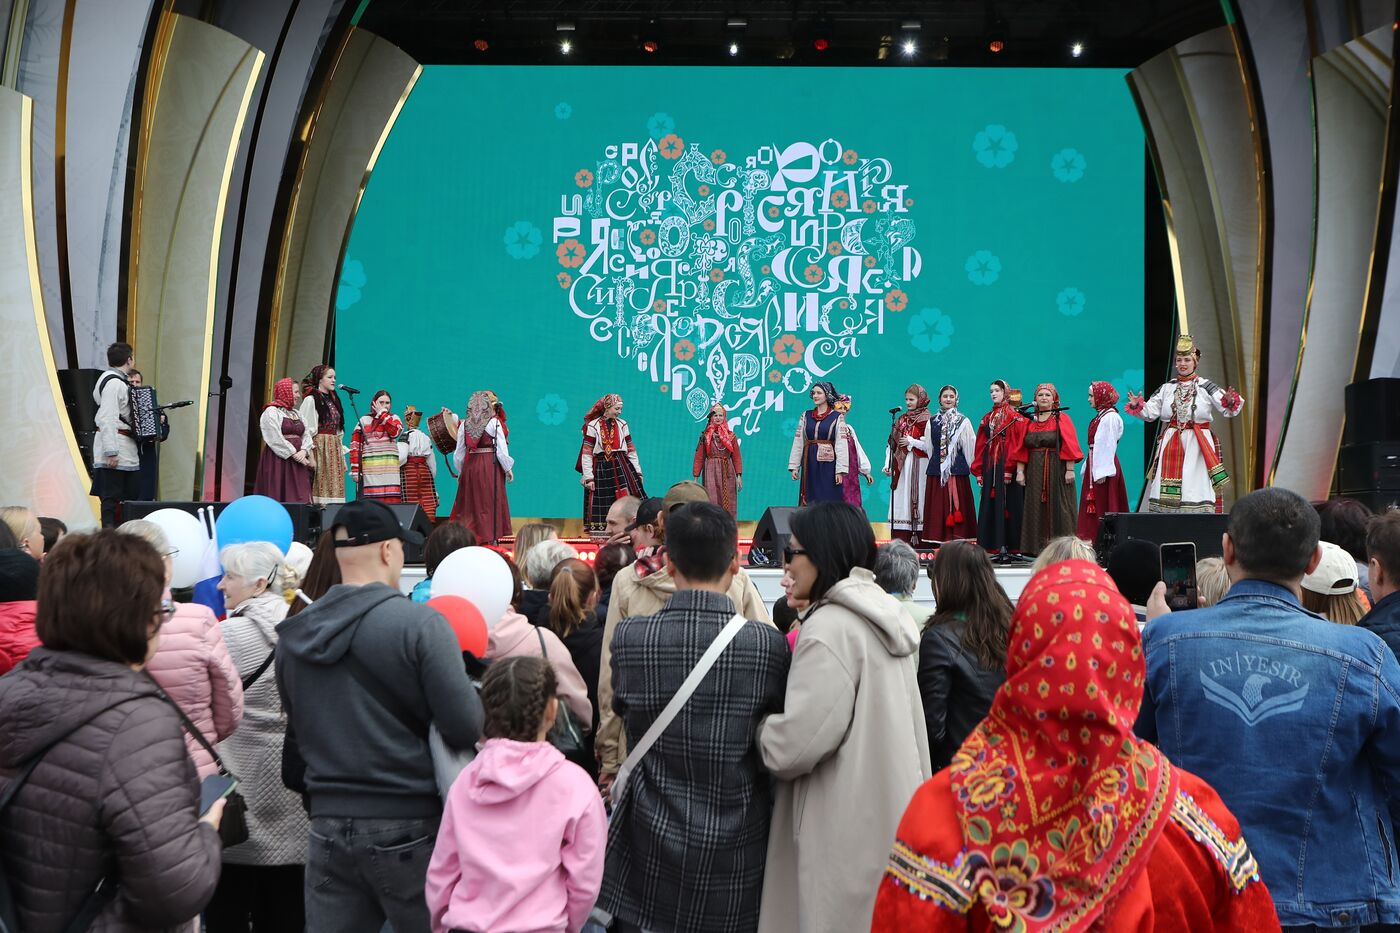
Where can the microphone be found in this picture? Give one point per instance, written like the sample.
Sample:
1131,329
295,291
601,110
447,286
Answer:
1023,409
174,405
896,410
347,389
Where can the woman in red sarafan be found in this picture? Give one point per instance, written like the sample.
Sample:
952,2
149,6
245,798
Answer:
1053,816
718,465
1047,457
1104,490
287,460
484,465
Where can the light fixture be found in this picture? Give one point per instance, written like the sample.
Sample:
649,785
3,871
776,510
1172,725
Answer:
566,47
996,36
1076,50
733,49
481,45
909,47
650,46
909,31
821,43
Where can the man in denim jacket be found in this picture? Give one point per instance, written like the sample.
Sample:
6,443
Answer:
1383,549
1293,719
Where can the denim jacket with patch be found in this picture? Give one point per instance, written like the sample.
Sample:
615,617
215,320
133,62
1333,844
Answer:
1296,723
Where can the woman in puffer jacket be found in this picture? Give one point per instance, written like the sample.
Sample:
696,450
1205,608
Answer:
262,878
192,664
112,788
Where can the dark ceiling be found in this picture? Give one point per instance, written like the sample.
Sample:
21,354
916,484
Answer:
1114,33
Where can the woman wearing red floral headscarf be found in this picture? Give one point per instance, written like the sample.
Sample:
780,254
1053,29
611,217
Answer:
718,466
1047,455
1104,490
1053,816
608,462
284,469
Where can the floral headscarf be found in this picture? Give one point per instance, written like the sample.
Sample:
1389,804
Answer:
1058,802
832,396
284,395
480,411
1054,393
1105,395
600,406
720,433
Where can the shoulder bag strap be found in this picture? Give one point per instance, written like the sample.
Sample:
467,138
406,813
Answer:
692,680
262,669
197,735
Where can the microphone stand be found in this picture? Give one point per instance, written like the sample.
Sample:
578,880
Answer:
359,482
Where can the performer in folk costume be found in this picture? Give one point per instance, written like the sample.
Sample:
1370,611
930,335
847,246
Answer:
906,452
485,465
374,452
951,510
1186,474
1046,457
1000,433
850,492
1104,490
286,464
417,464
608,462
325,423
718,465
817,461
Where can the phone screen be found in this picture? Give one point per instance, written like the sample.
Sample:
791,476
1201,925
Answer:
1179,574
214,788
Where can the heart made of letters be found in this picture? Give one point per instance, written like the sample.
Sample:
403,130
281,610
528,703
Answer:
735,281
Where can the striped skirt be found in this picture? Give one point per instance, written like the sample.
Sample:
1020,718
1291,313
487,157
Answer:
379,466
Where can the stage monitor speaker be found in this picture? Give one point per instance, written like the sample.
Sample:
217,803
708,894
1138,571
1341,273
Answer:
1363,467
1376,500
306,518
410,515
771,536
1373,411
1204,529
77,386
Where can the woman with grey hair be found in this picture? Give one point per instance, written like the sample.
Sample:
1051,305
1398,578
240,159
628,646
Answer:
538,571
897,572
262,878
192,664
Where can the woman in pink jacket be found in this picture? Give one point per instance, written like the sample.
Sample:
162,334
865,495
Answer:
523,831
192,664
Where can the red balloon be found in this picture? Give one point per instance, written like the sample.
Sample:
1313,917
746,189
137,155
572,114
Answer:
466,621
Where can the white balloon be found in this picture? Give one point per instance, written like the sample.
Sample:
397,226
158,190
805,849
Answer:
187,536
477,574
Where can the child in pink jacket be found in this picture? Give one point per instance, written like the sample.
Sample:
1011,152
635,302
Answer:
523,831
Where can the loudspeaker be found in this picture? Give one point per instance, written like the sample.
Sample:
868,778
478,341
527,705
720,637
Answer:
306,518
1373,411
771,536
1204,529
77,386
410,515
1376,500
1373,466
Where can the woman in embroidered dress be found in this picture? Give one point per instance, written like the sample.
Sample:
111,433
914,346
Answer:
1104,490
718,466
1186,474
1120,839
1046,458
284,469
325,423
951,512
999,434
484,465
817,462
906,453
417,464
855,454
608,462
374,451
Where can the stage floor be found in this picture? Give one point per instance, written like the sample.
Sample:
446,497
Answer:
769,582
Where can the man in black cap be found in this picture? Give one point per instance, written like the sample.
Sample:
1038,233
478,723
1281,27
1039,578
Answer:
362,672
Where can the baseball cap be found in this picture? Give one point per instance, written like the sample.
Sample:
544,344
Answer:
683,492
368,522
646,513
1335,574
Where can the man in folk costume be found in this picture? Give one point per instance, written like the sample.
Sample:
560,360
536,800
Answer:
485,465
608,462
1186,474
417,464
1104,490
906,450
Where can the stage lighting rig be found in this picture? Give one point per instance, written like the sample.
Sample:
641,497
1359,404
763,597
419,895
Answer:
909,32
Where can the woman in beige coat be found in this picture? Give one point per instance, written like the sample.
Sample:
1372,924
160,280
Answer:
850,746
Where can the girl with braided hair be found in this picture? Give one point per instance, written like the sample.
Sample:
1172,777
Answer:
523,831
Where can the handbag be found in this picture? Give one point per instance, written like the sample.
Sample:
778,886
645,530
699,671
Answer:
682,696
106,889
233,826
565,734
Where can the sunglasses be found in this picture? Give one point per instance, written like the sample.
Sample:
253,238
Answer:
790,552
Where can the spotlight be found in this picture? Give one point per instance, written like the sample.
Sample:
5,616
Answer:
566,47
733,49
1076,50
996,45
481,45
650,46
996,36
909,47
821,44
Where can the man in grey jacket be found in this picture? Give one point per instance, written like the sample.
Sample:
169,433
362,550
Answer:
363,671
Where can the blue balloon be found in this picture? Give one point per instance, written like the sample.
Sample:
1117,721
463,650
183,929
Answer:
255,518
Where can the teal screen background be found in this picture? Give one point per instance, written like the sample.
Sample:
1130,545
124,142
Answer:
680,235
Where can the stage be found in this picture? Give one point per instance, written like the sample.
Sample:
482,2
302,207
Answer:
1013,579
